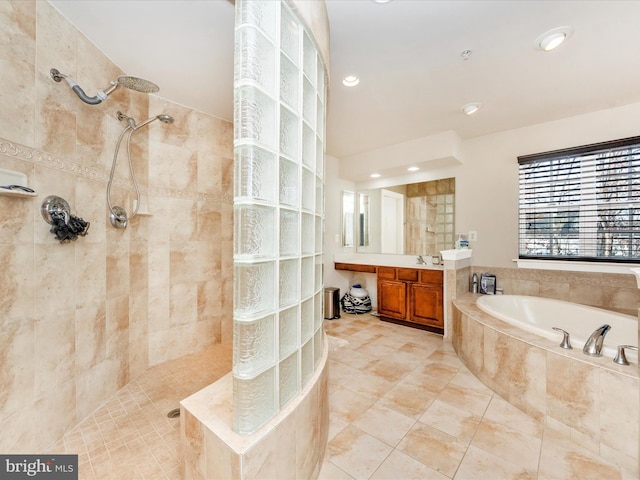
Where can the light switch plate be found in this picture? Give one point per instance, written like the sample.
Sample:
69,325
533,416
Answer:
473,236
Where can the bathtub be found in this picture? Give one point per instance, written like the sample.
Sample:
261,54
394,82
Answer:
591,400
538,315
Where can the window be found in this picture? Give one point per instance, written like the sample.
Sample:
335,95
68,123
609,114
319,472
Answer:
581,203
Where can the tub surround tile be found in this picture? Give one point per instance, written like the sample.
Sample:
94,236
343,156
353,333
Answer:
561,459
571,396
502,412
619,419
617,292
573,390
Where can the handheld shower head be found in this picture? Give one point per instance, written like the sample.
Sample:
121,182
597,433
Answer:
127,81
164,118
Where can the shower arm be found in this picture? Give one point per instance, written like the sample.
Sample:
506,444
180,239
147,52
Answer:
101,96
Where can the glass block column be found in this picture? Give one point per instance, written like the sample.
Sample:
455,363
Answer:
279,115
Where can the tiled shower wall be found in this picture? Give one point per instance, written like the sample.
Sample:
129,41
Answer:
80,319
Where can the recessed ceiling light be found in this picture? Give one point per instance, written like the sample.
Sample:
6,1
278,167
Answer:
350,81
553,38
413,169
471,108
375,175
381,1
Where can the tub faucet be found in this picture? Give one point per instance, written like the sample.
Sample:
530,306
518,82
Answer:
593,346
420,260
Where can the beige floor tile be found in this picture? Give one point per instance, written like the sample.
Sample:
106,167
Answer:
478,464
340,373
330,472
357,453
452,420
509,444
370,384
382,380
349,405
400,466
434,448
393,368
465,399
384,424
408,399
352,358
465,379
446,356
431,377
336,425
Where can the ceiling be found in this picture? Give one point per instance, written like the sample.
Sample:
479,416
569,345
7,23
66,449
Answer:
407,53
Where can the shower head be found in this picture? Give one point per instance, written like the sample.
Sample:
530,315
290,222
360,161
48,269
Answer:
132,83
137,84
164,118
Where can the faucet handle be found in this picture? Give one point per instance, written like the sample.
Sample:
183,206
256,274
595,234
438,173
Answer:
566,343
621,358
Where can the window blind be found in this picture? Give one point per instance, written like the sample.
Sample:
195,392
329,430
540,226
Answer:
581,203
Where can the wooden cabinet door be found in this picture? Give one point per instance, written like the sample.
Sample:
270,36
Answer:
426,305
392,299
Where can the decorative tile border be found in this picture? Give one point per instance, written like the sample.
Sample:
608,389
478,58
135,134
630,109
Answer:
45,159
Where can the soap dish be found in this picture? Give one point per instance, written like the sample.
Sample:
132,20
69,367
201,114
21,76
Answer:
10,178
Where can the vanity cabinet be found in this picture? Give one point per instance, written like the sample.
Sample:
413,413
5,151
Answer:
412,296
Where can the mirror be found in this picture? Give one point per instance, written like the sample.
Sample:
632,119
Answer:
348,211
412,219
363,220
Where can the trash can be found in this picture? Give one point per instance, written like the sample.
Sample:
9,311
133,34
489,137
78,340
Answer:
331,303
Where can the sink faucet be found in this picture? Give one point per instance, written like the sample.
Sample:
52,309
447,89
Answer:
420,260
593,346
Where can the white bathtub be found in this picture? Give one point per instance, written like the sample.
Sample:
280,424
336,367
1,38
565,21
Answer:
538,315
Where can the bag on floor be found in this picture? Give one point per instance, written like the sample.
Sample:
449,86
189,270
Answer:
351,304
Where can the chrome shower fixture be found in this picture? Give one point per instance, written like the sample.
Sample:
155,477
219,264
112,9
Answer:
131,123
118,215
132,83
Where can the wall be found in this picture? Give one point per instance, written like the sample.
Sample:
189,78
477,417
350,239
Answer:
81,319
487,182
487,178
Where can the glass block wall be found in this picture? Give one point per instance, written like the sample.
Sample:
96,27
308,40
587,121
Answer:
279,112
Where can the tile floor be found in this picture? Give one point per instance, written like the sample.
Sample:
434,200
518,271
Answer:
131,437
402,407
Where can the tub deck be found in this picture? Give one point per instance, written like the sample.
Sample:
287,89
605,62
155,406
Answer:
590,399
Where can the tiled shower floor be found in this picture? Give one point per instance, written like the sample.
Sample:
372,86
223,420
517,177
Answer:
131,437
402,406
